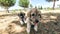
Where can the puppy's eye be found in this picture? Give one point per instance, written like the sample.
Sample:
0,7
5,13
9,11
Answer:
33,14
24,14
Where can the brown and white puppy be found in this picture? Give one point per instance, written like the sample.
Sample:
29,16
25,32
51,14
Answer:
22,18
33,19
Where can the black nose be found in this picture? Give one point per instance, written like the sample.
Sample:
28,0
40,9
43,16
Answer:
20,14
36,21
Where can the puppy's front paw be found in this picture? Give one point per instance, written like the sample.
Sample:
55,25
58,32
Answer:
28,31
35,28
21,23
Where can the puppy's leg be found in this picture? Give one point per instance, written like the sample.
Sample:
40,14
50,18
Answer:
21,22
28,25
28,28
36,27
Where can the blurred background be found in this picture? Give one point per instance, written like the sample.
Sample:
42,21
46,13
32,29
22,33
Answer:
9,21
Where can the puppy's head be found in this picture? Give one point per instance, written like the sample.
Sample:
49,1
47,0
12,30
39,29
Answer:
34,15
21,17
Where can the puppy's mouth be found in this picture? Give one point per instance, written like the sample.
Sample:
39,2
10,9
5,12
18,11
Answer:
22,17
36,22
22,21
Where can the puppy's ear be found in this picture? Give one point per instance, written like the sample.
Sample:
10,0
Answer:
40,14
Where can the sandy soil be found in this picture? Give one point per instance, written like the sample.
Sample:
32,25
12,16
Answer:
11,25
7,26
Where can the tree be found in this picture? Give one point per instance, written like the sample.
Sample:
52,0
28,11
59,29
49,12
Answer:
53,2
41,7
35,6
31,5
7,3
24,3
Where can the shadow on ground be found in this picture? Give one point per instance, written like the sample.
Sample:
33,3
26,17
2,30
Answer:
49,25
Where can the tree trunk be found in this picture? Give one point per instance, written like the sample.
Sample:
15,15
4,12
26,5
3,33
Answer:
7,10
53,4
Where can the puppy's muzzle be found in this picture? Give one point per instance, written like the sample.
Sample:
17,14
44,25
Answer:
36,21
22,16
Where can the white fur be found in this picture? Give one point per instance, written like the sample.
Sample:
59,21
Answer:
28,28
28,25
21,22
35,27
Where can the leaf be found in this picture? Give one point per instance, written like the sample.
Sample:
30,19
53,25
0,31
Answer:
24,3
7,3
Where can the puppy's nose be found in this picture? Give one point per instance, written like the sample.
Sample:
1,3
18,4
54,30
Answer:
21,14
36,21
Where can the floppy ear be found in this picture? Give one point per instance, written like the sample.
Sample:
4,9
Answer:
40,14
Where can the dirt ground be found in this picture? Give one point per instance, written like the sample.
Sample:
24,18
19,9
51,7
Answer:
10,25
50,24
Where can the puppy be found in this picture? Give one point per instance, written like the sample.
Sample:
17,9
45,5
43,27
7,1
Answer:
33,19
22,18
